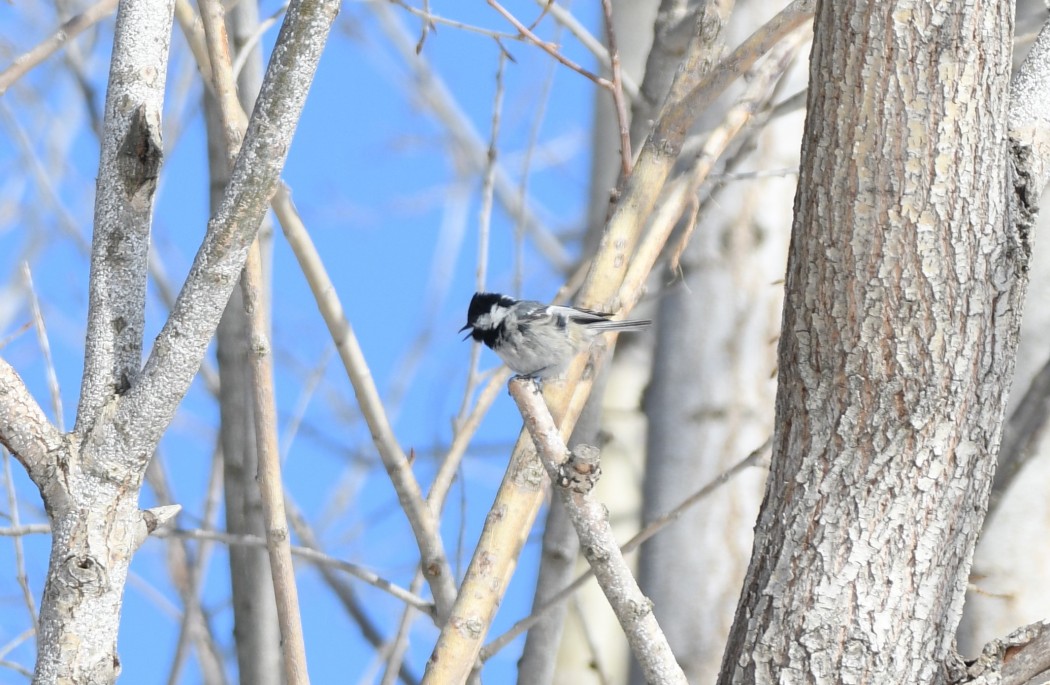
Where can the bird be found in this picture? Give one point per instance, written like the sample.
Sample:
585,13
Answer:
537,340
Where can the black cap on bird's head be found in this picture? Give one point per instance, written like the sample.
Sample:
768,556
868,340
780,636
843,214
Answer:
481,305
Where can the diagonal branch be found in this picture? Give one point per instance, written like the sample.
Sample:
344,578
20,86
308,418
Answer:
522,491
65,33
591,521
149,406
421,515
24,429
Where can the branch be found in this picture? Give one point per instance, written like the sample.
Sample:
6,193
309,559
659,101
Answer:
1029,113
1022,433
616,88
65,33
1020,658
522,492
129,165
680,191
651,529
591,520
25,430
549,48
747,53
147,409
282,570
420,515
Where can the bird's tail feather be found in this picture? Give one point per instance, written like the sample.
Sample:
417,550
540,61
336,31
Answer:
628,325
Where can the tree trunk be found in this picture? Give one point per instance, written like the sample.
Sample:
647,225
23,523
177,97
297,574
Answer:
903,292
256,632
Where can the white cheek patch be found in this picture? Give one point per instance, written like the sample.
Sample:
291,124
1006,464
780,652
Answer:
495,315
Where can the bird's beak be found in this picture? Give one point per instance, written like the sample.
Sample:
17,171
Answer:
468,326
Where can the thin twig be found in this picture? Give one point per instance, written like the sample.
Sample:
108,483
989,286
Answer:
616,88
302,403
187,571
249,45
396,657
344,591
549,48
45,348
426,27
420,515
17,640
484,229
316,557
453,23
65,33
488,178
20,556
461,440
564,17
306,553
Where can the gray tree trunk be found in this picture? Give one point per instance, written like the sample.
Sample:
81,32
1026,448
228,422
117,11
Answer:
256,632
905,278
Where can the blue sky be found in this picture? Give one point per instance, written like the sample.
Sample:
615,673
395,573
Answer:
373,177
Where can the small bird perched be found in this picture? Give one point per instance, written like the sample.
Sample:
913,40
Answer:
534,339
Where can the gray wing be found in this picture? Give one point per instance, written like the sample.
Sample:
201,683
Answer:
596,321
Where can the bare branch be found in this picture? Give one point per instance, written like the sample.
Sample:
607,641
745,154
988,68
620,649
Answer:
65,33
587,40
616,88
591,520
307,553
271,485
651,529
1020,658
271,488
16,522
420,515
747,53
148,407
549,48
25,430
129,165
45,347
682,190
1022,433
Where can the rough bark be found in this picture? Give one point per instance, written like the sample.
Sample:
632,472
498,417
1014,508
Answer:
1009,578
129,164
90,479
903,292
